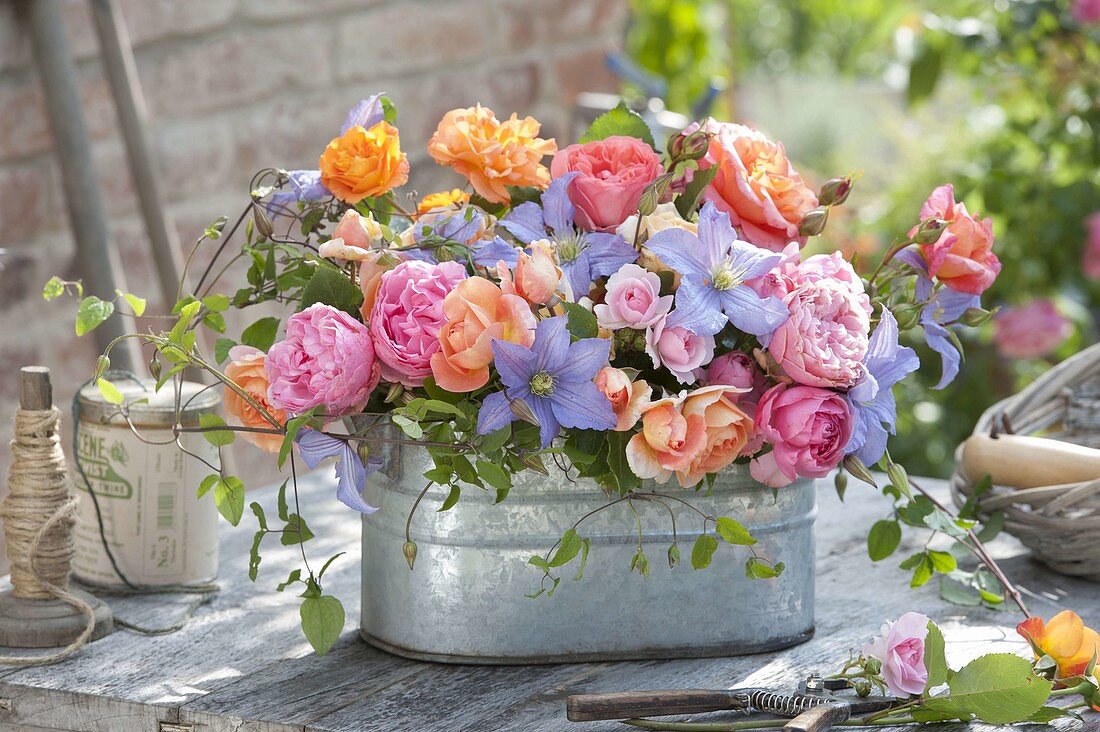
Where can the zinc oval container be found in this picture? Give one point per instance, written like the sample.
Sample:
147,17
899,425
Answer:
465,600
159,531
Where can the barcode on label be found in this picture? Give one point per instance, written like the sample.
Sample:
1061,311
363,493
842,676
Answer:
166,507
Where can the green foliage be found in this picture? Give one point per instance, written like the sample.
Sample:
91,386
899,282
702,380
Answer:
331,286
322,620
91,314
216,437
618,121
883,540
229,498
998,688
109,391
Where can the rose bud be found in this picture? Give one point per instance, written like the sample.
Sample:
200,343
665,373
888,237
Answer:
929,231
835,191
696,145
813,223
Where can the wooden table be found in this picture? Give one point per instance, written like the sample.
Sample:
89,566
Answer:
242,663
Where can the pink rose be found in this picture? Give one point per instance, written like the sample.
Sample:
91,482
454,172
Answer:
633,300
900,649
1086,12
326,359
755,184
738,369
678,349
962,258
825,339
808,429
611,175
1030,331
1090,259
407,316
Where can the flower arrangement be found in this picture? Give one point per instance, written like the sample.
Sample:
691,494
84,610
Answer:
625,314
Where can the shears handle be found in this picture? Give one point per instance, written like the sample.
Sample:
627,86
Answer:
820,718
631,704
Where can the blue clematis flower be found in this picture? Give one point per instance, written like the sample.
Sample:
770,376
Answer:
942,308
874,411
715,267
554,378
351,473
582,255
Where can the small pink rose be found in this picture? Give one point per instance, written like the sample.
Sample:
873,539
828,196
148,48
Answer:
632,300
808,429
611,175
738,369
900,649
407,316
678,349
1030,331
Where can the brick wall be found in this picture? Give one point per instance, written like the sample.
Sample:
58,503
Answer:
234,85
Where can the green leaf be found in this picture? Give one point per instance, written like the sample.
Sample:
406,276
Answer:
137,304
581,323
943,562
1046,715
293,427
883,540
221,349
757,568
703,550
229,498
322,621
495,439
332,286
935,658
924,72
295,532
451,499
618,464
207,484
217,438
570,546
733,532
991,528
408,426
689,199
261,334
494,475
91,314
109,391
254,553
998,688
53,289
261,517
294,576
217,303
280,502
618,121
958,594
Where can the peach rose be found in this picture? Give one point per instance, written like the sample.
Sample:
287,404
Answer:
491,154
352,238
537,274
478,312
962,258
729,431
362,163
669,441
755,184
628,398
246,370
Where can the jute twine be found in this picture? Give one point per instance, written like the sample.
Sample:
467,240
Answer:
1059,523
38,513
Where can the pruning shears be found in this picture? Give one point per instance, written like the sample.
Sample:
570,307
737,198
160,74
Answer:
815,706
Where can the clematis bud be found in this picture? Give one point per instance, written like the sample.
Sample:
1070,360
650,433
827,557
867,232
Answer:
929,231
907,316
409,550
813,223
977,317
835,191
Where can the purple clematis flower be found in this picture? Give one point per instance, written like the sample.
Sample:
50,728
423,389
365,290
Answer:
942,309
461,226
366,113
874,411
582,255
714,268
351,473
554,378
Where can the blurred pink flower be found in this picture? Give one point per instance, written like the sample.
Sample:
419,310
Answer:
808,429
900,649
1033,330
1090,258
1086,12
408,315
326,359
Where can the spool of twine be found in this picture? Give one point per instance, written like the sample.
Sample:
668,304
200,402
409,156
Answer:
38,513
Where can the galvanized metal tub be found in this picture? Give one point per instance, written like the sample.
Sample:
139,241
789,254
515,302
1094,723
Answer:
465,599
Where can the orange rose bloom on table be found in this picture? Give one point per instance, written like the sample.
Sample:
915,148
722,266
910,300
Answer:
246,369
1065,638
362,163
755,184
477,312
492,154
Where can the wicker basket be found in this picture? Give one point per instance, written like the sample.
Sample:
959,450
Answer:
1059,523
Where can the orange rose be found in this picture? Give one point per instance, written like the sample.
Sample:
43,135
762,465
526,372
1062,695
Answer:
1065,639
537,274
492,154
477,312
669,441
247,371
756,185
362,163
728,431
442,199
628,398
